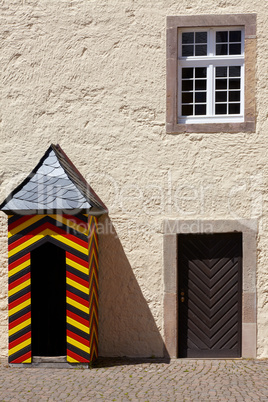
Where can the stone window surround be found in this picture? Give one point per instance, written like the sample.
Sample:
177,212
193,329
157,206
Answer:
248,228
248,21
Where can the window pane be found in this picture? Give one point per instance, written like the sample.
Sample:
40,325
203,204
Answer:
234,71
235,48
234,83
187,110
187,97
201,37
222,36
200,109
221,96
200,50
221,71
200,97
187,85
187,37
187,73
234,96
200,84
221,84
187,50
234,108
235,36
200,72
221,109
221,49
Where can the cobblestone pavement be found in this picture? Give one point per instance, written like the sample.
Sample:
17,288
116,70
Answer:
140,380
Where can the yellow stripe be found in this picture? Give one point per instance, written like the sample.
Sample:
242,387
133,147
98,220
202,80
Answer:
79,345
26,244
27,360
25,224
19,287
91,279
93,254
19,327
19,307
77,266
77,324
93,236
71,360
72,244
77,286
77,305
19,347
47,232
19,268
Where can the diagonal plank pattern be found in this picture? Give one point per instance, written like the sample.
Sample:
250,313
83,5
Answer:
77,235
210,278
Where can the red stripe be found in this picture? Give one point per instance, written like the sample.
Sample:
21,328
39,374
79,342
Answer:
74,218
19,340
40,229
22,358
78,338
77,259
19,320
19,261
77,298
19,222
19,300
80,359
77,279
19,281
77,318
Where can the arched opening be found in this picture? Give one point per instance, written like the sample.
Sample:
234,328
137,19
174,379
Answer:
48,300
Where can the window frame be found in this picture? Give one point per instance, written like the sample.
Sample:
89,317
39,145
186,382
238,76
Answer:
246,123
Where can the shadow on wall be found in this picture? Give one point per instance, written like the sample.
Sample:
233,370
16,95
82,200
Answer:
126,325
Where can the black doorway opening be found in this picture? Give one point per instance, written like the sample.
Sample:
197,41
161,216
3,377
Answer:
48,300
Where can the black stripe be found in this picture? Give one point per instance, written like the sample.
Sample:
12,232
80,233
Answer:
68,229
19,314
27,230
19,353
78,351
77,292
77,331
17,295
77,311
81,217
20,333
14,218
19,274
78,273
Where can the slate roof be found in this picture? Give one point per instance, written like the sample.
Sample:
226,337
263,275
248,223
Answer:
55,185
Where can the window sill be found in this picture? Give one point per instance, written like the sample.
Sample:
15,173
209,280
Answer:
247,127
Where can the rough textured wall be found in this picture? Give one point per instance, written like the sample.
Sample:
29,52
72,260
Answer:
90,75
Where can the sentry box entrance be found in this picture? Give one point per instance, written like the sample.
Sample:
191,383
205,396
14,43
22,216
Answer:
53,264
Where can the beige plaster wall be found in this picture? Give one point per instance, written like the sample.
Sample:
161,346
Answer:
90,75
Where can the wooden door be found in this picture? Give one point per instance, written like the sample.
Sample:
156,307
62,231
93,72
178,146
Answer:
209,295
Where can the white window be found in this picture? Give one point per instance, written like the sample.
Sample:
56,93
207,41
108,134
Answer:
211,75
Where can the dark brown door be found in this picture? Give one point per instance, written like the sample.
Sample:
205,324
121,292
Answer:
209,292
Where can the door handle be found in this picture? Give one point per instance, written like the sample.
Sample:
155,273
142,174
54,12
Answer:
182,296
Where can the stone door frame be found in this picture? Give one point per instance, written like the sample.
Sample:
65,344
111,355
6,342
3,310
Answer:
248,228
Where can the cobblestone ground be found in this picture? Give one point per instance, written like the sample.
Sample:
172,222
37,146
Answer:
137,380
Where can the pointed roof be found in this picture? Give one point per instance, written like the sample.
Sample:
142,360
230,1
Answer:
54,185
